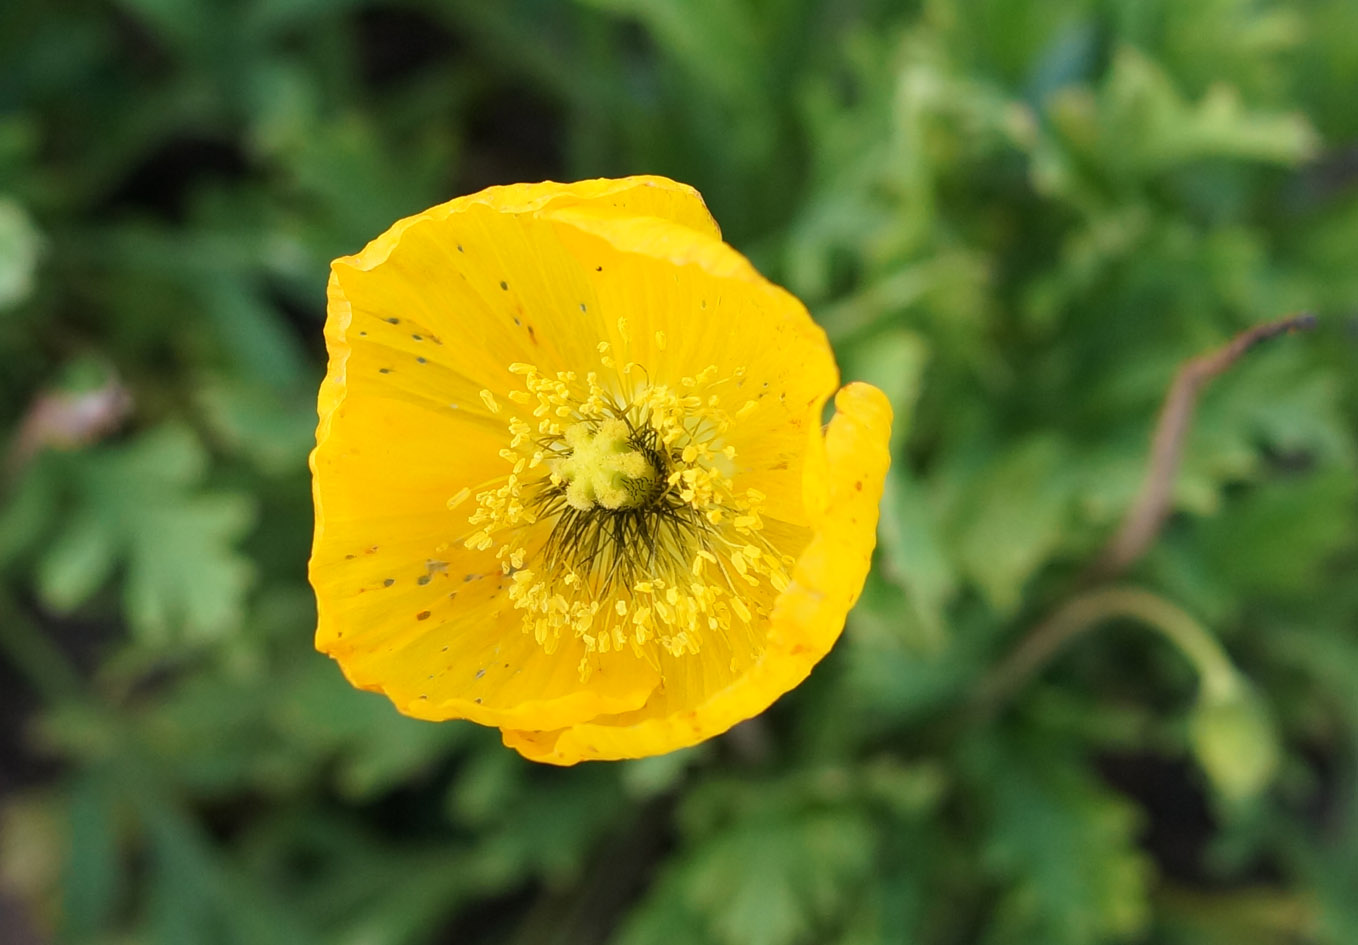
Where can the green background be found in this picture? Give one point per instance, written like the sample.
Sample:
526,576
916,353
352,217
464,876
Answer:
1017,217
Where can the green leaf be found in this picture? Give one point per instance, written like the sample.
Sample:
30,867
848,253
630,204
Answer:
28,510
372,746
893,905
1063,846
716,40
648,777
20,249
550,827
249,329
77,563
184,576
94,876
913,558
1140,124
276,431
772,878
894,361
776,882
1280,536
1013,517
196,896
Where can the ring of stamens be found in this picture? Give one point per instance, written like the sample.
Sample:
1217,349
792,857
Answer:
619,522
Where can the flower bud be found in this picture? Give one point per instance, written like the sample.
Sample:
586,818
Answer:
1235,740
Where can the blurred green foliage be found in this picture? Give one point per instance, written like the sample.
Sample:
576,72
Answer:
1018,218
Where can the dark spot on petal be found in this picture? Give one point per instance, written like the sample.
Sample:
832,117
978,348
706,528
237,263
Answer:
532,335
363,334
423,579
444,649
858,485
504,285
385,370
582,306
389,582
468,577
350,557
516,320
421,360
422,615
598,268
480,673
459,247
393,321
477,700
417,337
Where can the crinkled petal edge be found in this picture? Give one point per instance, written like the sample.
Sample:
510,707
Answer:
333,388
534,198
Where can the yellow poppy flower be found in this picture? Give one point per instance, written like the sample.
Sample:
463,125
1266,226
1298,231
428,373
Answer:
570,474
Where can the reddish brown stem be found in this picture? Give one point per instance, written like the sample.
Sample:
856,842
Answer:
1148,512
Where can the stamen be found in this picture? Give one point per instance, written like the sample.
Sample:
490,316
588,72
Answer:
632,532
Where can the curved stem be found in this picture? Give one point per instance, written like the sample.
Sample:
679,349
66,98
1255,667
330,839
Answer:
1088,610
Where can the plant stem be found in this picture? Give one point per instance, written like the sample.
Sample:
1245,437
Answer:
1148,512
1090,609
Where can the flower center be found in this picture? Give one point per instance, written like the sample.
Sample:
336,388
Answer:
620,522
606,469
